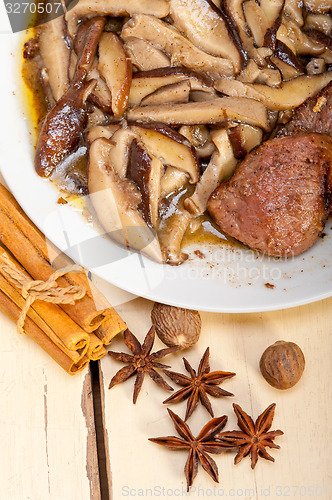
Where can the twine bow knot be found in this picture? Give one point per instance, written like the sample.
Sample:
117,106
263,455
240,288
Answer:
47,291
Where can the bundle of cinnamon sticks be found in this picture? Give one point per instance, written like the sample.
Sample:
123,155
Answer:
60,308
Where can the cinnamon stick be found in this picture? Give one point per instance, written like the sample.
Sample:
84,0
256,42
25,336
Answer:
8,307
96,348
110,328
31,249
57,325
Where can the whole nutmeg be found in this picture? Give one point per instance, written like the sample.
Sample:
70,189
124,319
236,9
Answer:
282,364
176,326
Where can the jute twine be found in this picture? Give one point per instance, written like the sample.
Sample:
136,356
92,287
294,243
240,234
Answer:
47,291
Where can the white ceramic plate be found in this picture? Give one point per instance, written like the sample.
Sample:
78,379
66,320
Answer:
227,280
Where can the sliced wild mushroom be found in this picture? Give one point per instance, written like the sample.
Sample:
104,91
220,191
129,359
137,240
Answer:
203,25
62,129
220,167
170,148
55,53
116,200
291,35
100,131
236,14
120,154
219,110
244,138
316,67
171,232
115,8
287,71
45,83
271,9
145,56
95,117
115,68
256,21
286,55
289,95
101,96
181,51
145,171
319,22
199,136
174,92
172,180
146,82
85,45
253,73
318,6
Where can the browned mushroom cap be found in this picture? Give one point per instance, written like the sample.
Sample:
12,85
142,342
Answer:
219,110
145,171
256,20
115,201
174,92
101,96
170,148
220,167
115,67
244,138
55,54
146,82
145,56
289,95
292,35
203,25
177,47
86,8
62,129
120,152
320,22
85,44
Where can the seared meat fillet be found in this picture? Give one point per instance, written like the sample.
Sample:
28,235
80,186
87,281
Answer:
278,199
314,115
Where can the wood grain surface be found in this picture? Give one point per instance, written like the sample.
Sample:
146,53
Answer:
47,432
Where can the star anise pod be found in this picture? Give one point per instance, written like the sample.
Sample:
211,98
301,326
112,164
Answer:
199,447
198,386
253,437
140,362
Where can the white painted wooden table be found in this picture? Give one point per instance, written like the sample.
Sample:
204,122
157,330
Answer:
47,431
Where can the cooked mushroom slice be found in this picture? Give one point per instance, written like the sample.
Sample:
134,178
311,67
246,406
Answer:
203,25
172,180
199,137
96,117
318,6
244,138
288,72
256,21
115,201
145,56
289,95
116,8
55,54
170,148
85,45
62,129
220,167
175,92
253,73
146,82
101,96
236,14
271,9
291,35
119,155
219,110
45,83
316,67
170,234
319,22
181,51
115,67
100,131
145,171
